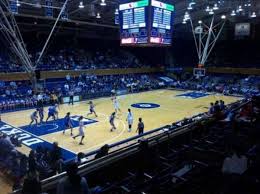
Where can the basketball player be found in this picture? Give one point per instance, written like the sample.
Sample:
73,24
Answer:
91,109
34,117
56,107
41,114
112,121
116,104
81,130
68,123
140,127
52,112
129,120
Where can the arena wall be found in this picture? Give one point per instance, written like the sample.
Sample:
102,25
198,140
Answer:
229,70
62,73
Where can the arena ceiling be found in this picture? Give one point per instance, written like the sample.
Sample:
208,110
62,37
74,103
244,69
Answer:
32,13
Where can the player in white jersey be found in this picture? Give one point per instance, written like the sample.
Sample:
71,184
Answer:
130,120
116,104
56,110
81,130
34,117
91,109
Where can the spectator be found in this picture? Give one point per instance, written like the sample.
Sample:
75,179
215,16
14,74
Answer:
32,184
236,164
103,151
6,143
73,183
222,105
32,162
211,109
68,78
56,158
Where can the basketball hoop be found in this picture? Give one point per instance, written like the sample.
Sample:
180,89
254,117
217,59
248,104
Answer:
200,65
199,72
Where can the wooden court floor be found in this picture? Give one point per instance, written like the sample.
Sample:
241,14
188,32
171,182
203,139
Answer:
172,108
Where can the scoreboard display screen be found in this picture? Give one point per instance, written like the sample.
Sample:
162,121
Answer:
133,18
162,22
146,23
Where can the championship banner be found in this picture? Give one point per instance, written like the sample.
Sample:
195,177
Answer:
13,6
116,19
65,15
242,29
48,8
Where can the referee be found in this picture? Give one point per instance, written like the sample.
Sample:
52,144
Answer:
140,127
71,95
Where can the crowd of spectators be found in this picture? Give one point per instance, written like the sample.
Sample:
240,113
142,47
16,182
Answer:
71,59
28,170
18,95
228,85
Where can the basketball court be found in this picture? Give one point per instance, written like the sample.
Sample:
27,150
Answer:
157,108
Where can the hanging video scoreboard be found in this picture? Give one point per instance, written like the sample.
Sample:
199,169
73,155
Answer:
133,19
162,23
146,23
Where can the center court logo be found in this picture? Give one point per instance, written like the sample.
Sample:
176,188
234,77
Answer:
145,105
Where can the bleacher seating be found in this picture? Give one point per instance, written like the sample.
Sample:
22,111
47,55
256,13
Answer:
69,59
19,95
188,163
226,84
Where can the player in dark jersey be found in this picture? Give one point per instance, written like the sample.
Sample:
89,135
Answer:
68,123
41,114
112,121
52,113
91,109
140,127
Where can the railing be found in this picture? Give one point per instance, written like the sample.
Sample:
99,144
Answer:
130,146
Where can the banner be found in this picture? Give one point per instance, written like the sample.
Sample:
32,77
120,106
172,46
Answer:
13,6
116,19
242,29
65,15
67,99
48,8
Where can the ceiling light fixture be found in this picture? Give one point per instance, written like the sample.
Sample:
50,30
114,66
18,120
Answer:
211,12
233,13
18,3
81,6
239,8
103,3
223,17
215,7
253,15
98,16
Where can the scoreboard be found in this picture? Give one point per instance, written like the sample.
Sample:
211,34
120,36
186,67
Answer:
162,22
146,23
133,19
